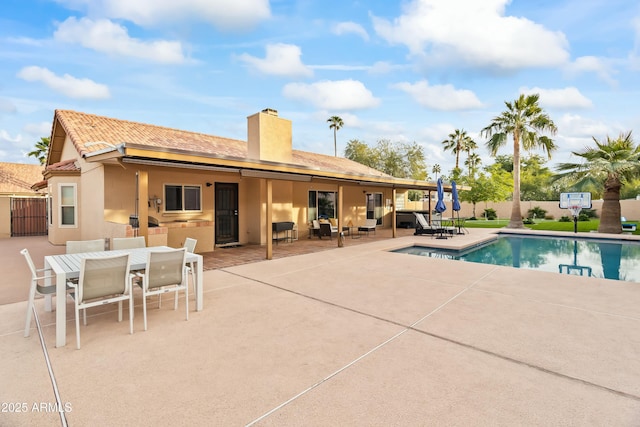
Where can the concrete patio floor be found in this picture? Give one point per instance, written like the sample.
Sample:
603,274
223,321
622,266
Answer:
340,336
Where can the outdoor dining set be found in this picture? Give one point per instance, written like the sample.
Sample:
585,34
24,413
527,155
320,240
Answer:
93,276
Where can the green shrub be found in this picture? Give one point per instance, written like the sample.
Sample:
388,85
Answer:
490,214
536,212
565,219
589,213
528,221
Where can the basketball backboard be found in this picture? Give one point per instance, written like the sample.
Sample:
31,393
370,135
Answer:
581,200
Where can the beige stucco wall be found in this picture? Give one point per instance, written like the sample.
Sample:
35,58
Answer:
269,137
5,217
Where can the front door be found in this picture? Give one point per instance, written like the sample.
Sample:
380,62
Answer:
226,213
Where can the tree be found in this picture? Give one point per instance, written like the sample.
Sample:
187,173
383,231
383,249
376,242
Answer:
522,120
360,152
335,124
472,163
494,187
536,180
400,160
436,170
457,142
41,150
609,164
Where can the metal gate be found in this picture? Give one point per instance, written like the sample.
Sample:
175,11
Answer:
28,216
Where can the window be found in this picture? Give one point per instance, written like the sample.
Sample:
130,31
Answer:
68,202
181,198
323,204
374,207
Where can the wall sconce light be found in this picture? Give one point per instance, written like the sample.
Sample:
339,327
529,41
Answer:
209,184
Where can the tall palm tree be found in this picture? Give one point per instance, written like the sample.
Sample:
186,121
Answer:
522,120
436,170
456,143
335,124
472,163
610,164
41,150
469,146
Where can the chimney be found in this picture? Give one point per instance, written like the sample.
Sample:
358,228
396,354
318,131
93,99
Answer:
269,137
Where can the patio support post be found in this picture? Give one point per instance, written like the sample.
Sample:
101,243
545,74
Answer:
393,213
143,205
340,210
269,219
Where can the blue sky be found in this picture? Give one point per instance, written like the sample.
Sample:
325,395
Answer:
408,71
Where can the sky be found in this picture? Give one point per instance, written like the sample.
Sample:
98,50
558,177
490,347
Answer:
404,71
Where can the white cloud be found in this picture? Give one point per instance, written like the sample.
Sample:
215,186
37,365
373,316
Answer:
473,33
569,97
592,64
42,128
350,28
68,85
575,126
383,67
337,95
440,97
280,60
108,37
224,14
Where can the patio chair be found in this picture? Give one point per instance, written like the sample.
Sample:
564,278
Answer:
165,273
36,286
128,243
369,225
422,225
190,246
314,228
326,229
79,246
103,280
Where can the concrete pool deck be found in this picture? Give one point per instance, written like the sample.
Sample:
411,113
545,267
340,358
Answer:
345,336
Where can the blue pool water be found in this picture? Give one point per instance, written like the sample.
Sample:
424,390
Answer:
586,257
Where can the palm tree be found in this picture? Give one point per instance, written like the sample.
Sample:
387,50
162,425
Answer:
472,163
523,119
469,146
609,164
336,124
41,150
436,170
456,143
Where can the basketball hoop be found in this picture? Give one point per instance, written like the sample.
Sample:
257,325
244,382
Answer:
575,210
575,202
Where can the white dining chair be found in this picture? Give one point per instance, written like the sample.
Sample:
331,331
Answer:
165,272
37,286
79,246
128,242
190,246
103,280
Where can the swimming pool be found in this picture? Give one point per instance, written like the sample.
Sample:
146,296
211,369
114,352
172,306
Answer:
585,257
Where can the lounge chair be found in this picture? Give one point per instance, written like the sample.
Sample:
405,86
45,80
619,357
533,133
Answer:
422,225
369,225
326,229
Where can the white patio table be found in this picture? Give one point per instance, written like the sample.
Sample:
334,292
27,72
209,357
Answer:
67,266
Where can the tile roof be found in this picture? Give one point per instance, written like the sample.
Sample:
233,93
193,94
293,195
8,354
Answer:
83,128
18,177
65,165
